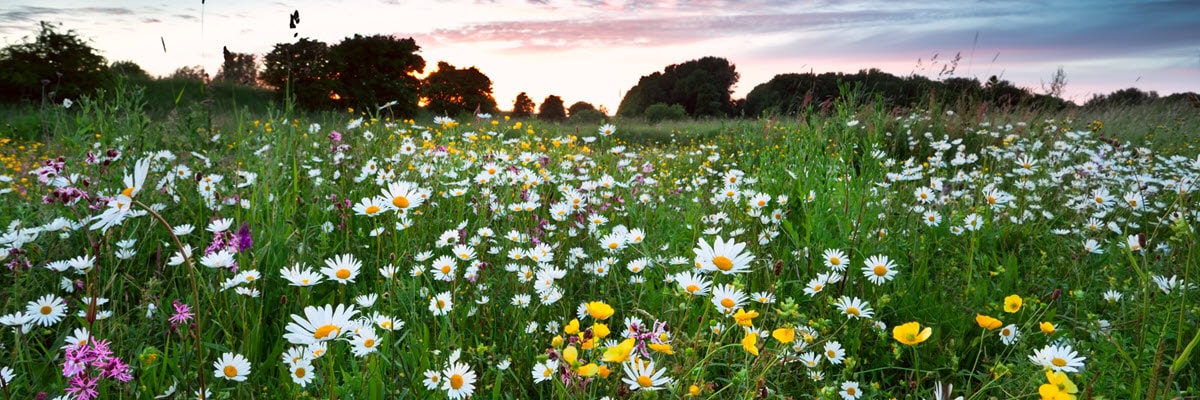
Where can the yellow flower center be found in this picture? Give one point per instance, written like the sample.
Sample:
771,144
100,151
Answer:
1005,332
546,373
230,371
852,311
456,381
880,270
300,372
128,192
400,202
851,391
441,304
46,310
343,273
818,287
1058,362
304,281
372,209
831,354
692,288
835,260
613,245
325,331
644,381
369,343
727,302
761,203
445,269
991,199
723,263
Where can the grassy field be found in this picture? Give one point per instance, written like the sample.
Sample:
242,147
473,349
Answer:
853,252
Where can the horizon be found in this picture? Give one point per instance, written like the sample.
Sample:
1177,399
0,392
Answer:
595,51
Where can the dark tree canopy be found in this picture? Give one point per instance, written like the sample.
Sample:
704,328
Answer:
522,106
129,70
239,68
302,70
578,107
193,73
552,109
450,90
373,70
703,87
58,63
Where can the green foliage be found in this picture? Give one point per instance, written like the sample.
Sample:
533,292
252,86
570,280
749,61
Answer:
450,90
371,71
588,116
129,70
522,106
702,87
552,109
300,70
54,66
659,112
579,106
240,68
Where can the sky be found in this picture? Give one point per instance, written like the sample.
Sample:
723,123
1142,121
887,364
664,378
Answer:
595,50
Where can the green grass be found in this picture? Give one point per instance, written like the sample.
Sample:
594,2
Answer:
845,178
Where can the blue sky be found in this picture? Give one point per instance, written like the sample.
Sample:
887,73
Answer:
596,50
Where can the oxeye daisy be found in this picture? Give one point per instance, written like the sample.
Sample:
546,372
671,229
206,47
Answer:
370,206
879,269
433,380
365,341
1009,334
46,311
301,372
641,375
402,196
728,299
692,283
231,366
854,307
834,352
443,268
1058,358
726,257
342,269
300,275
320,324
850,390
543,371
441,304
835,259
459,382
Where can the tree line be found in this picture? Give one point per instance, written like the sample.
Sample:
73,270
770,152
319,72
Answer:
368,72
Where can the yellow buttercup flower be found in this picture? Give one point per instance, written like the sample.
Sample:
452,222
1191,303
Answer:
600,330
599,310
1012,304
987,322
620,352
750,342
1047,327
572,327
911,333
745,318
784,335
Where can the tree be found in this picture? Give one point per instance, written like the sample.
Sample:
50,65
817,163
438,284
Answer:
578,107
522,106
55,65
703,87
129,70
451,90
552,109
370,71
301,70
239,68
193,73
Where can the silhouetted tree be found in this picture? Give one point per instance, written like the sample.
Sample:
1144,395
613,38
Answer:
370,71
240,68
129,70
450,90
552,109
196,73
703,87
300,69
578,107
522,106
55,65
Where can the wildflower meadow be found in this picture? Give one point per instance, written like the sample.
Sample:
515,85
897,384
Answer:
852,252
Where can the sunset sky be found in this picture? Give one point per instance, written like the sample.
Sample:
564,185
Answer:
596,50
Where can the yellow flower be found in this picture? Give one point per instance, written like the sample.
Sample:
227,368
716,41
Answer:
557,341
603,371
572,327
694,390
745,318
749,343
599,310
987,322
661,348
620,352
784,335
1047,327
1058,387
588,370
911,333
570,355
600,330
1012,304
